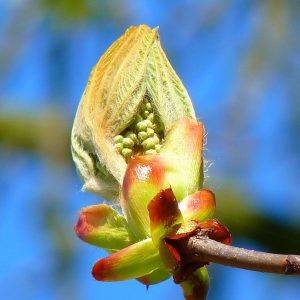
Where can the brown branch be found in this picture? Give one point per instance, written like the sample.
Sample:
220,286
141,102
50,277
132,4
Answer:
202,249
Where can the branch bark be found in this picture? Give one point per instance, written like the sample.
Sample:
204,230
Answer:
202,249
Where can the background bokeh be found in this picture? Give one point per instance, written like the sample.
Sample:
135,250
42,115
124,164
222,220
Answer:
240,63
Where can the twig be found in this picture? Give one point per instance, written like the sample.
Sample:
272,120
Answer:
199,249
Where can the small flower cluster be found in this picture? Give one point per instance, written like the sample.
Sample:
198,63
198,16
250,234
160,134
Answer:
142,137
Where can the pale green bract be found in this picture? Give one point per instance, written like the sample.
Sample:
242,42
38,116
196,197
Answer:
132,98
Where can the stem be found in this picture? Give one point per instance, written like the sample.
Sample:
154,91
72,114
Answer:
200,249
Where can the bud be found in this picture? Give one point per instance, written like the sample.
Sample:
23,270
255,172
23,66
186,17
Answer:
199,206
196,285
135,138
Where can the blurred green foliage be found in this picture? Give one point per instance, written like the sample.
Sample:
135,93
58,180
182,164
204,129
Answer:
46,135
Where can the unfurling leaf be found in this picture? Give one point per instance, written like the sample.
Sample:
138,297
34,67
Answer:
132,98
